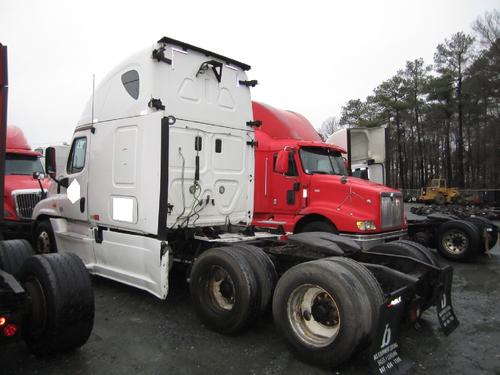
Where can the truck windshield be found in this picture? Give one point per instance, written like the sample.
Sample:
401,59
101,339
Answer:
322,160
22,164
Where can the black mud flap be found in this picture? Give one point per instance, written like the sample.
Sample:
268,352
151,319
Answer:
446,315
384,350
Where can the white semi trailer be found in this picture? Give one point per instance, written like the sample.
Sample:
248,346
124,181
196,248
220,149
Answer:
160,174
366,151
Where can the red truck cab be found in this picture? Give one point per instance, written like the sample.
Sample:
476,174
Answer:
302,184
21,191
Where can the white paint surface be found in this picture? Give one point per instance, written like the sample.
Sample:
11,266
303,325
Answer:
123,209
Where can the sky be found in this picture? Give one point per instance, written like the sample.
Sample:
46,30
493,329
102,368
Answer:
309,57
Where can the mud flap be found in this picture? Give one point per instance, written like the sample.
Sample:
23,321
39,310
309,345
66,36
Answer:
445,313
384,350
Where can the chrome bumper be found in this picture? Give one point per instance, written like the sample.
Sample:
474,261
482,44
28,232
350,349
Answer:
367,241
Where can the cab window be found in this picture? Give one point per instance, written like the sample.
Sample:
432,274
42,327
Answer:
76,159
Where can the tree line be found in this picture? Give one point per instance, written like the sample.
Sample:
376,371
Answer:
443,120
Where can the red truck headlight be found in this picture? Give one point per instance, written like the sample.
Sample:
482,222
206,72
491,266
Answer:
366,225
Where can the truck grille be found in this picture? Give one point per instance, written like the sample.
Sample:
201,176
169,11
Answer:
391,210
25,201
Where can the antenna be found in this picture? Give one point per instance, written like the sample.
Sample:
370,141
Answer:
93,91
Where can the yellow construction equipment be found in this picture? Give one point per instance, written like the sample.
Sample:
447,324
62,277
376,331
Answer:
439,193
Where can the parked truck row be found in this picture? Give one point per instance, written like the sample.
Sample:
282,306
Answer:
172,165
47,300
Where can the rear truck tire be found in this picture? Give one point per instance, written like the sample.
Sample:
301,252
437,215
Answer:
318,226
224,290
372,288
399,248
491,231
61,313
425,251
318,306
44,238
13,253
423,238
459,240
264,270
410,251
440,199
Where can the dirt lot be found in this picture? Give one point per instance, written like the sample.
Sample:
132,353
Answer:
136,333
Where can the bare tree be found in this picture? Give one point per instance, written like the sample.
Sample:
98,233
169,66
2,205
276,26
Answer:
488,29
329,126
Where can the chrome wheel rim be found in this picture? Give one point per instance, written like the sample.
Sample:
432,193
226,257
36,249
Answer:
455,241
43,243
221,288
313,315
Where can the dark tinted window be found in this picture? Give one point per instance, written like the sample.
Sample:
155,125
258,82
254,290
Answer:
22,164
130,81
317,160
76,159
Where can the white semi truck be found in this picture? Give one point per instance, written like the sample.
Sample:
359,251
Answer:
160,174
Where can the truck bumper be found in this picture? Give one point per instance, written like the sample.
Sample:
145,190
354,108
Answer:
367,241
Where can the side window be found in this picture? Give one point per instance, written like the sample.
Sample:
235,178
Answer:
130,81
76,159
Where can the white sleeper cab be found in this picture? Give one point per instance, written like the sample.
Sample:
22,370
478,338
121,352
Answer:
163,144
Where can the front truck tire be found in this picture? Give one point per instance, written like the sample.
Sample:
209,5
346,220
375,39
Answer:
224,290
323,311
62,303
44,239
318,226
13,253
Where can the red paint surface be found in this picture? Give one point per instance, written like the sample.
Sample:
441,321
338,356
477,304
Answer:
326,195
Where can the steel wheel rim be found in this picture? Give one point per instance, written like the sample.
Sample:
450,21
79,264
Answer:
221,288
43,243
313,315
455,241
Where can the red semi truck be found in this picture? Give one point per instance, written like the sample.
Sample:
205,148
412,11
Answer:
301,184
21,191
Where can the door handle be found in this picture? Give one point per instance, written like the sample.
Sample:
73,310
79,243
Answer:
82,205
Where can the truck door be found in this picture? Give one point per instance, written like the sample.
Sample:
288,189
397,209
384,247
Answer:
74,205
124,196
285,188
73,233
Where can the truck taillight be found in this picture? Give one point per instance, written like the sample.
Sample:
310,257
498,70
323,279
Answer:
3,320
9,330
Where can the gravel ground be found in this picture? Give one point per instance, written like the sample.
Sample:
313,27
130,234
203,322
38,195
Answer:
137,333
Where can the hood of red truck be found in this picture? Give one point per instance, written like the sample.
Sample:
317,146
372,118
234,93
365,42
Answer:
357,199
18,182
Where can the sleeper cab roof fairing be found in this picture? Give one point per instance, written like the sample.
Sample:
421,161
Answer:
186,46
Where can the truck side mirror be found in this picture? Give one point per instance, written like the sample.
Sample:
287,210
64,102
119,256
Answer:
50,162
38,176
282,162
